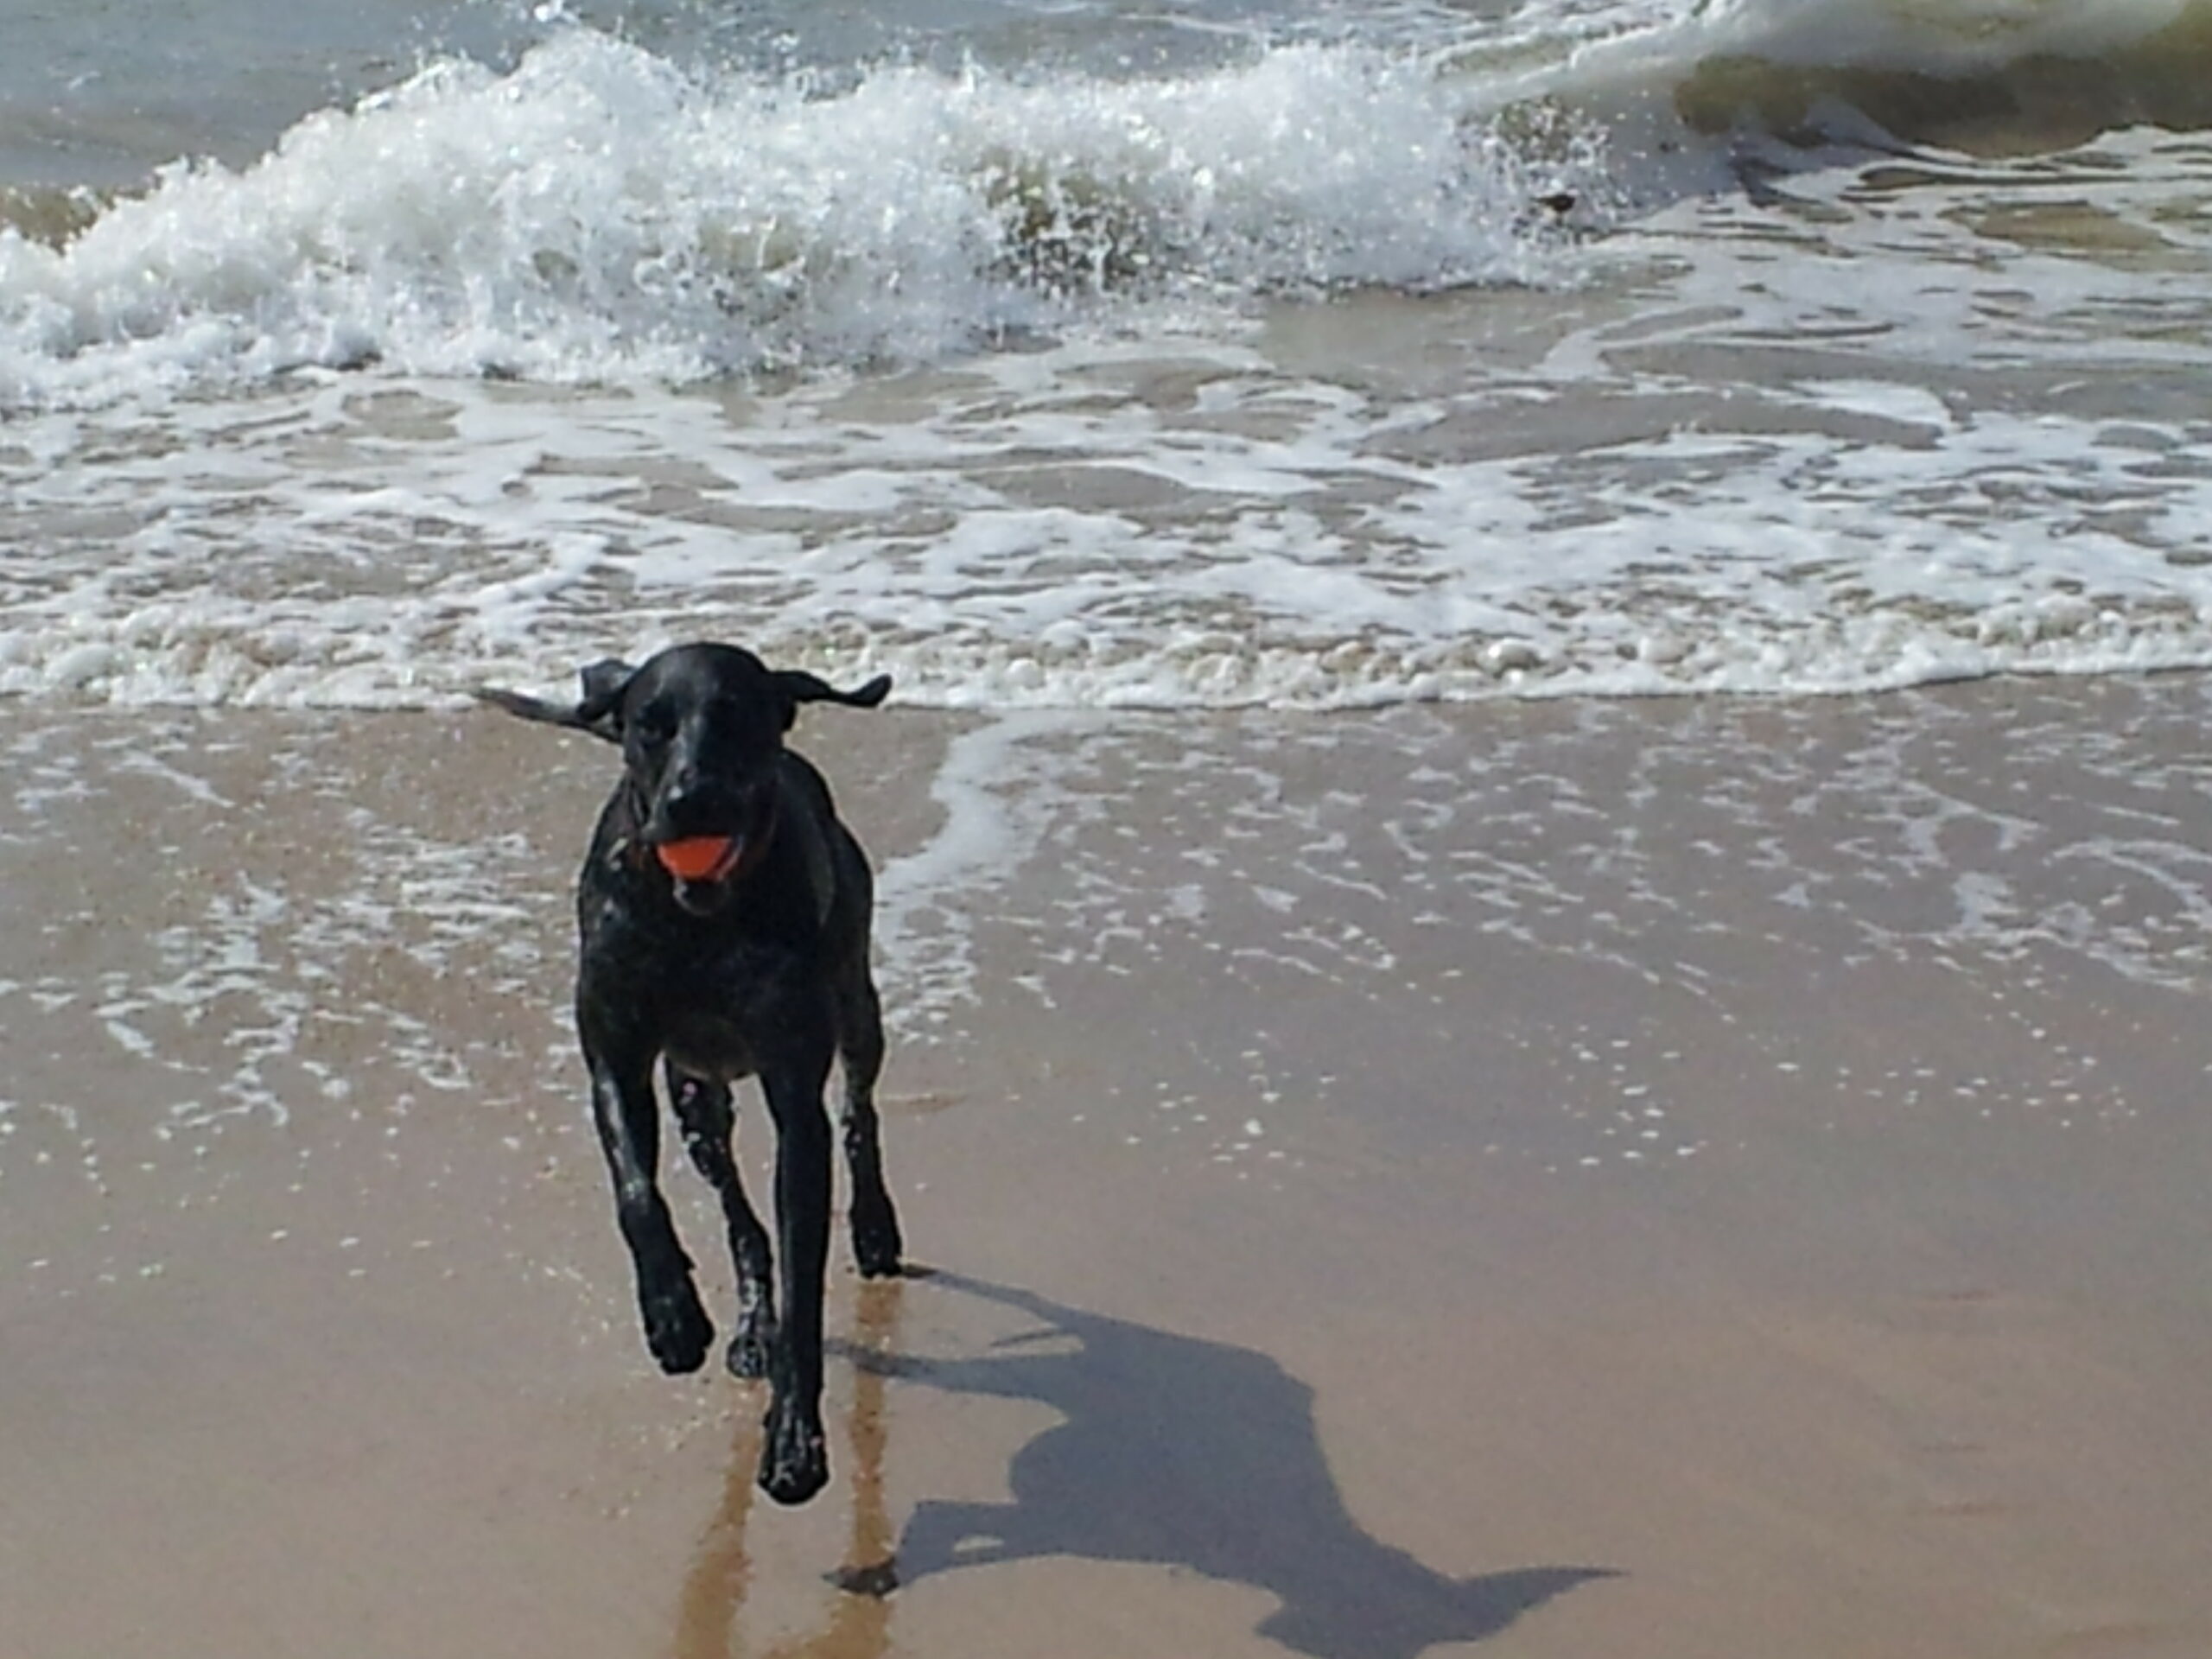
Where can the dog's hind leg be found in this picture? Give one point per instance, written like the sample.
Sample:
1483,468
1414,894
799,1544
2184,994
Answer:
628,1119
709,1122
877,1246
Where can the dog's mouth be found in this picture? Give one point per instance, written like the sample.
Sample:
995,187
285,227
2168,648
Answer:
703,859
713,852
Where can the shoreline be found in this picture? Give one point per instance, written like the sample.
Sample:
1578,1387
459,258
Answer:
1564,1176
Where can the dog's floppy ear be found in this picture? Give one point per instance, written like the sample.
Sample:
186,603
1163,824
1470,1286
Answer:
604,682
600,712
796,686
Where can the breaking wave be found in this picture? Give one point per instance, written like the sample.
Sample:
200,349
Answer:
598,213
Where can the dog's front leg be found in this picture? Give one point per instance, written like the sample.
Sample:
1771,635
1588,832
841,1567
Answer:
794,1463
676,1327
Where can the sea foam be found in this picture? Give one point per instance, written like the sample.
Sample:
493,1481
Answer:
602,213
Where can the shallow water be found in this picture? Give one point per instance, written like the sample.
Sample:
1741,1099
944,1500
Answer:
1094,355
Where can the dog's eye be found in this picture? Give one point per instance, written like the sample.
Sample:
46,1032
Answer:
653,726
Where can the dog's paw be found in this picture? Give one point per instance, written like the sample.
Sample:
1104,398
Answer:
753,1348
877,1246
677,1329
794,1463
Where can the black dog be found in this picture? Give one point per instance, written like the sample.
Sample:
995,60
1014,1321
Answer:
724,913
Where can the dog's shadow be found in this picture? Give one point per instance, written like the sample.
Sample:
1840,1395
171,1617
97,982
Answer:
1173,1451
1196,1455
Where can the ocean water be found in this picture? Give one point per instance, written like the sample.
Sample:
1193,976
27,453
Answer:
1085,353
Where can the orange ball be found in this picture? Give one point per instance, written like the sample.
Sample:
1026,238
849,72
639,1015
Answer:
694,857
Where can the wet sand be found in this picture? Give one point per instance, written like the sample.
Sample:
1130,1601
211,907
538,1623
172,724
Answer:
1681,1179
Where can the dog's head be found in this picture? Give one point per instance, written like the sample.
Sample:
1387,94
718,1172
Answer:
701,727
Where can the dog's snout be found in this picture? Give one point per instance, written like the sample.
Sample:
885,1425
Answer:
683,802
682,783
697,794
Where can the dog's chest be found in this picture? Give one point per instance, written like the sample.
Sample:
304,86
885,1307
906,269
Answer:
727,1028
711,1048
732,1013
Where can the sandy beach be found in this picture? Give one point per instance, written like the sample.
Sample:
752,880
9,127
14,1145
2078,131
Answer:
1688,1179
